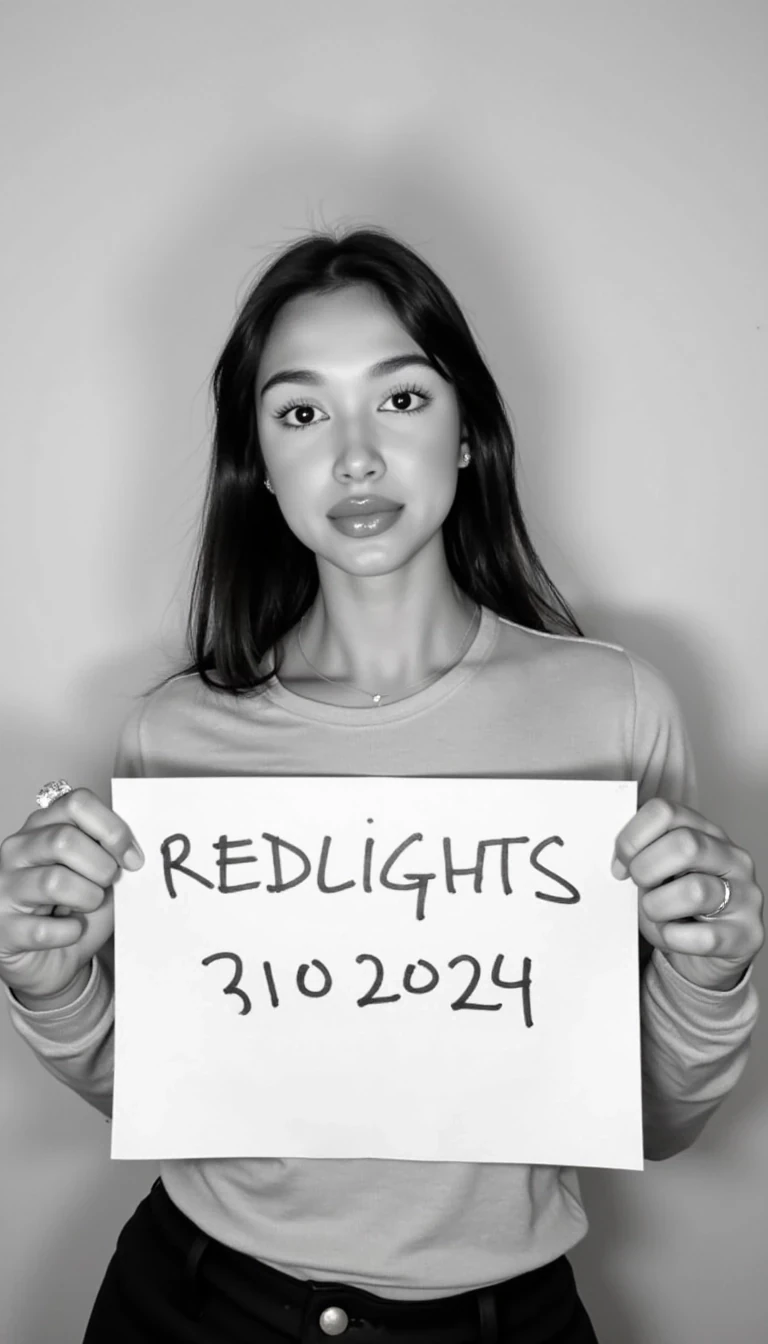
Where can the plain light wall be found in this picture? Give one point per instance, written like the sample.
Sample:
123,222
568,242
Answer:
590,180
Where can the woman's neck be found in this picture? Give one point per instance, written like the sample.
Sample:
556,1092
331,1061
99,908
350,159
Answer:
379,649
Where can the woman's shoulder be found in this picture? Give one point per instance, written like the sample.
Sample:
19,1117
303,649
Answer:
180,715
607,692
180,693
547,648
583,662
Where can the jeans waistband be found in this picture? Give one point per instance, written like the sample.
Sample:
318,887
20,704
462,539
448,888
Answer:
535,1304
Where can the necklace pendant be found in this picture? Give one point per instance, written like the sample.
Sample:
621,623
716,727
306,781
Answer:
376,699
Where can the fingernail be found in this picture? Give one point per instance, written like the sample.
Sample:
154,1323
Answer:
618,869
133,858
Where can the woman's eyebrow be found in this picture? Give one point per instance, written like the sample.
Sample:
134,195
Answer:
384,366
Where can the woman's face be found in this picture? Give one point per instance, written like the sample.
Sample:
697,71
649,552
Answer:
342,432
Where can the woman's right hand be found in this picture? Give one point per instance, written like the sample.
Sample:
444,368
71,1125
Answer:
56,899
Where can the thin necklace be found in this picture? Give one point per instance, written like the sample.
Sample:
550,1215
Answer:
377,698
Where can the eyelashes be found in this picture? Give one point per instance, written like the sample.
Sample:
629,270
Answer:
409,388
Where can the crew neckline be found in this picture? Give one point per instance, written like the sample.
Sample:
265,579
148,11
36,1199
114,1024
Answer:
364,717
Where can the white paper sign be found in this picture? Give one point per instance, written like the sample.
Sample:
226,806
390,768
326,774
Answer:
346,967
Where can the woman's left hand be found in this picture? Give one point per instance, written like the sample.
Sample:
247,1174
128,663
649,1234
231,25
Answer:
676,857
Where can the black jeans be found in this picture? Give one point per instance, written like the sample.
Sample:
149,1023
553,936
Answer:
170,1283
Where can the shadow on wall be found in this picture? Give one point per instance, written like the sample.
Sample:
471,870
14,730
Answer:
54,1160
619,1225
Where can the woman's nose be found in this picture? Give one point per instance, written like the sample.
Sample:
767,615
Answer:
359,459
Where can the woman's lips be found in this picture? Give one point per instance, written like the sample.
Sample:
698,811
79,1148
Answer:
367,524
354,505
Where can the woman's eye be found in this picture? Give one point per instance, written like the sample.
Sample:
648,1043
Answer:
296,406
401,394
408,393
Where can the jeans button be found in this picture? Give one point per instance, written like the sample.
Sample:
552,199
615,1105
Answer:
333,1321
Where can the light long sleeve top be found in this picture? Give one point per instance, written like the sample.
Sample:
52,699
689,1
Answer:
521,704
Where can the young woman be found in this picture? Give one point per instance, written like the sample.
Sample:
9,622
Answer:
367,601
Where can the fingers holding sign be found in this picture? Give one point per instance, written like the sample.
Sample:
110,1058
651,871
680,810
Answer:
678,860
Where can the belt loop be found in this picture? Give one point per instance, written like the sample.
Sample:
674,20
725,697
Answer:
191,1266
489,1320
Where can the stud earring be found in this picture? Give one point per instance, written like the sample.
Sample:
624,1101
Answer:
268,484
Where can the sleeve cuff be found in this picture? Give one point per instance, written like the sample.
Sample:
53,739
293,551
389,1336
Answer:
708,1008
71,1024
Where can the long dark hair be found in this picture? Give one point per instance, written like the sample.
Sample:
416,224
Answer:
253,579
